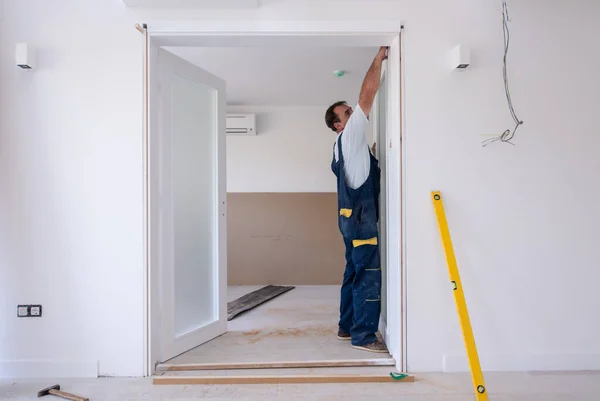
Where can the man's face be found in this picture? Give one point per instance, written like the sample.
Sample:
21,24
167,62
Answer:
343,112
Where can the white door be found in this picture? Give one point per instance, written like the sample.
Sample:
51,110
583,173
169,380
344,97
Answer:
189,206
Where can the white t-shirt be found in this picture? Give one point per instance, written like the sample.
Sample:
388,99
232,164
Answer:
357,161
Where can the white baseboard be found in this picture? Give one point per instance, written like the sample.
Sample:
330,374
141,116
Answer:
524,362
41,368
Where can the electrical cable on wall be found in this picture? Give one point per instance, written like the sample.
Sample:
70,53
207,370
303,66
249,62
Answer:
507,135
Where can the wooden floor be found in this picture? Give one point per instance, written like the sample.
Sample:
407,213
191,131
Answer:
300,325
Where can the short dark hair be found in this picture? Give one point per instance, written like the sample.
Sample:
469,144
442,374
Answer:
330,117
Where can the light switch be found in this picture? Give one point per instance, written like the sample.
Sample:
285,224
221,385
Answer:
22,311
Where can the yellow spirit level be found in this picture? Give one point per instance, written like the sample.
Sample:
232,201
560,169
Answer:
459,298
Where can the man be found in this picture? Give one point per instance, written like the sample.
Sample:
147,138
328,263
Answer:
358,173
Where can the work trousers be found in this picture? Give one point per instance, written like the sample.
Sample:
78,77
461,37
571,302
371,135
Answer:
360,304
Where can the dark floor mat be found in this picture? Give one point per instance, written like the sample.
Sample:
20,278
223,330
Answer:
254,299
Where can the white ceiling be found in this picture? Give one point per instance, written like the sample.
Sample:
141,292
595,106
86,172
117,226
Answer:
283,76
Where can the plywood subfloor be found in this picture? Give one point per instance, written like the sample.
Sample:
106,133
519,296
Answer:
300,325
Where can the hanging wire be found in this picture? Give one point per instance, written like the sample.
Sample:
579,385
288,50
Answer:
507,135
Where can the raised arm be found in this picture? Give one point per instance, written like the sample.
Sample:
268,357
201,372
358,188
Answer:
371,83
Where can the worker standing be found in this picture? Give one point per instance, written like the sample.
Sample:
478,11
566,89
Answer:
358,186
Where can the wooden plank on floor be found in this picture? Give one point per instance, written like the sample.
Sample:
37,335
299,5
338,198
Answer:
254,299
276,365
283,379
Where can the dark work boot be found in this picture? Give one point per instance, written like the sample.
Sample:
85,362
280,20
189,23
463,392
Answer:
342,335
377,346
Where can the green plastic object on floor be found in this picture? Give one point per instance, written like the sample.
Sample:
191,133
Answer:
398,376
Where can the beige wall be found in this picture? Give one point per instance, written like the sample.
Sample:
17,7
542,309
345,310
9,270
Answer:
283,238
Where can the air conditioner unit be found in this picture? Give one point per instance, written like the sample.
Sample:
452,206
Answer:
241,124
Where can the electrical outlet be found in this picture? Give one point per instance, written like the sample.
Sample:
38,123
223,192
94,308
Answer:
29,310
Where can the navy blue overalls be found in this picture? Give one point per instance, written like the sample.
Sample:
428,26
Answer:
358,217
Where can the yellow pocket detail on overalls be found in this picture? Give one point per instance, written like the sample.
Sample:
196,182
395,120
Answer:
346,212
360,242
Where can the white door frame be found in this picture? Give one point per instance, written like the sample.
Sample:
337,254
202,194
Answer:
383,326
277,33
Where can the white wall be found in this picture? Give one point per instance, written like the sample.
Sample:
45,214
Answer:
291,153
71,233
523,218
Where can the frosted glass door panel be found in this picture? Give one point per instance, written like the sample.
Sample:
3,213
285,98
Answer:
193,125
188,225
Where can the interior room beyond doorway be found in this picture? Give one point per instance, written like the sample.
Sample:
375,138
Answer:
281,200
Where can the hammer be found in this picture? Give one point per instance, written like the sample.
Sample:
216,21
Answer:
55,390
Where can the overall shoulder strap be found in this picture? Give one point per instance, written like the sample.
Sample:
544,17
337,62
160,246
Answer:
339,143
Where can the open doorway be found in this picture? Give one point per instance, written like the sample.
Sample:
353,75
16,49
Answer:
267,230
281,200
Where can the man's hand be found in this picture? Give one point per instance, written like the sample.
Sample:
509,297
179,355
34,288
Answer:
382,55
373,148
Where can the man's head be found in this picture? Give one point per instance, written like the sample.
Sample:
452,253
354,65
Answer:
337,116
